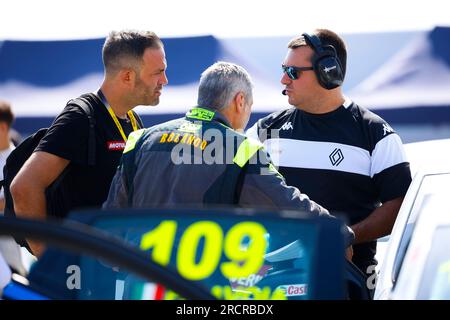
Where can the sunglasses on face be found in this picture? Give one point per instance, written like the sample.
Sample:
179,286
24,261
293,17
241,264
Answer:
292,71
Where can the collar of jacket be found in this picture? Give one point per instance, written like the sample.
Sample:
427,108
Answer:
206,114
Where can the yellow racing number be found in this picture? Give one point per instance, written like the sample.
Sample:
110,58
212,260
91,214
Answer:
244,259
161,240
212,250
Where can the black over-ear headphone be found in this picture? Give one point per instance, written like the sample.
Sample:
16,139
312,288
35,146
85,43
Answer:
326,64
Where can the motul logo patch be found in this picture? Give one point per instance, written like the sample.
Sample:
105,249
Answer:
115,145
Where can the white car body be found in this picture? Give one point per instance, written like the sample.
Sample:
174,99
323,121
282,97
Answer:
411,251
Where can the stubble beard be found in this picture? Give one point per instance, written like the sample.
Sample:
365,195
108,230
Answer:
148,100
154,102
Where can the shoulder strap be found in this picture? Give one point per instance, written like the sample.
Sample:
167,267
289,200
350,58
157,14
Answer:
245,151
139,120
128,159
88,110
227,188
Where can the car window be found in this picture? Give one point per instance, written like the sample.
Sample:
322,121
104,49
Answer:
236,256
61,275
435,282
432,184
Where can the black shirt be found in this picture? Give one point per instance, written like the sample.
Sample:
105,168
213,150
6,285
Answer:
348,160
68,138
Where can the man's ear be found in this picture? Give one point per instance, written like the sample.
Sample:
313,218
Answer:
127,77
3,127
240,102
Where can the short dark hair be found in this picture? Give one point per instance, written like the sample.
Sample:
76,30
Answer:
6,114
327,37
126,48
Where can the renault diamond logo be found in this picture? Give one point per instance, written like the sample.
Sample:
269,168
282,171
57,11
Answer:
336,157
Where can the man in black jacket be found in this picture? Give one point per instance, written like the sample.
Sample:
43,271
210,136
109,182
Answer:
202,159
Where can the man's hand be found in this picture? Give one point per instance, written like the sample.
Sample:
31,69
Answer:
349,253
379,223
37,248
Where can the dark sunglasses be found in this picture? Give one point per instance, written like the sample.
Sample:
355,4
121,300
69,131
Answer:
292,71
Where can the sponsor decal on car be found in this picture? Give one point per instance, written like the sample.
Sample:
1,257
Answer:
294,290
251,280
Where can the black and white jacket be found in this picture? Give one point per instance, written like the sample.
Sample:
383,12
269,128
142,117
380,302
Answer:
348,160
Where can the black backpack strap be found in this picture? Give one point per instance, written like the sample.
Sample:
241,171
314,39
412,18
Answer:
88,110
130,169
128,160
139,120
227,188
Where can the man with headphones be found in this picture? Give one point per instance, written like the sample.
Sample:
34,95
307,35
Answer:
342,155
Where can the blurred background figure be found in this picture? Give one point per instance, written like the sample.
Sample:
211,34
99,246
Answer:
6,145
8,247
16,137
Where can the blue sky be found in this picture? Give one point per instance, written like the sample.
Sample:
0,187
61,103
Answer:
49,19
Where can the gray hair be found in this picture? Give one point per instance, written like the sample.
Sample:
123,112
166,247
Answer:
124,49
220,83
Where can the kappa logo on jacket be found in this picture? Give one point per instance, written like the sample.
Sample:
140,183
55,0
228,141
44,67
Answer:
287,126
387,129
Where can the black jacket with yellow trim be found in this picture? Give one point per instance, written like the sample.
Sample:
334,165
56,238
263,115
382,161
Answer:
200,160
